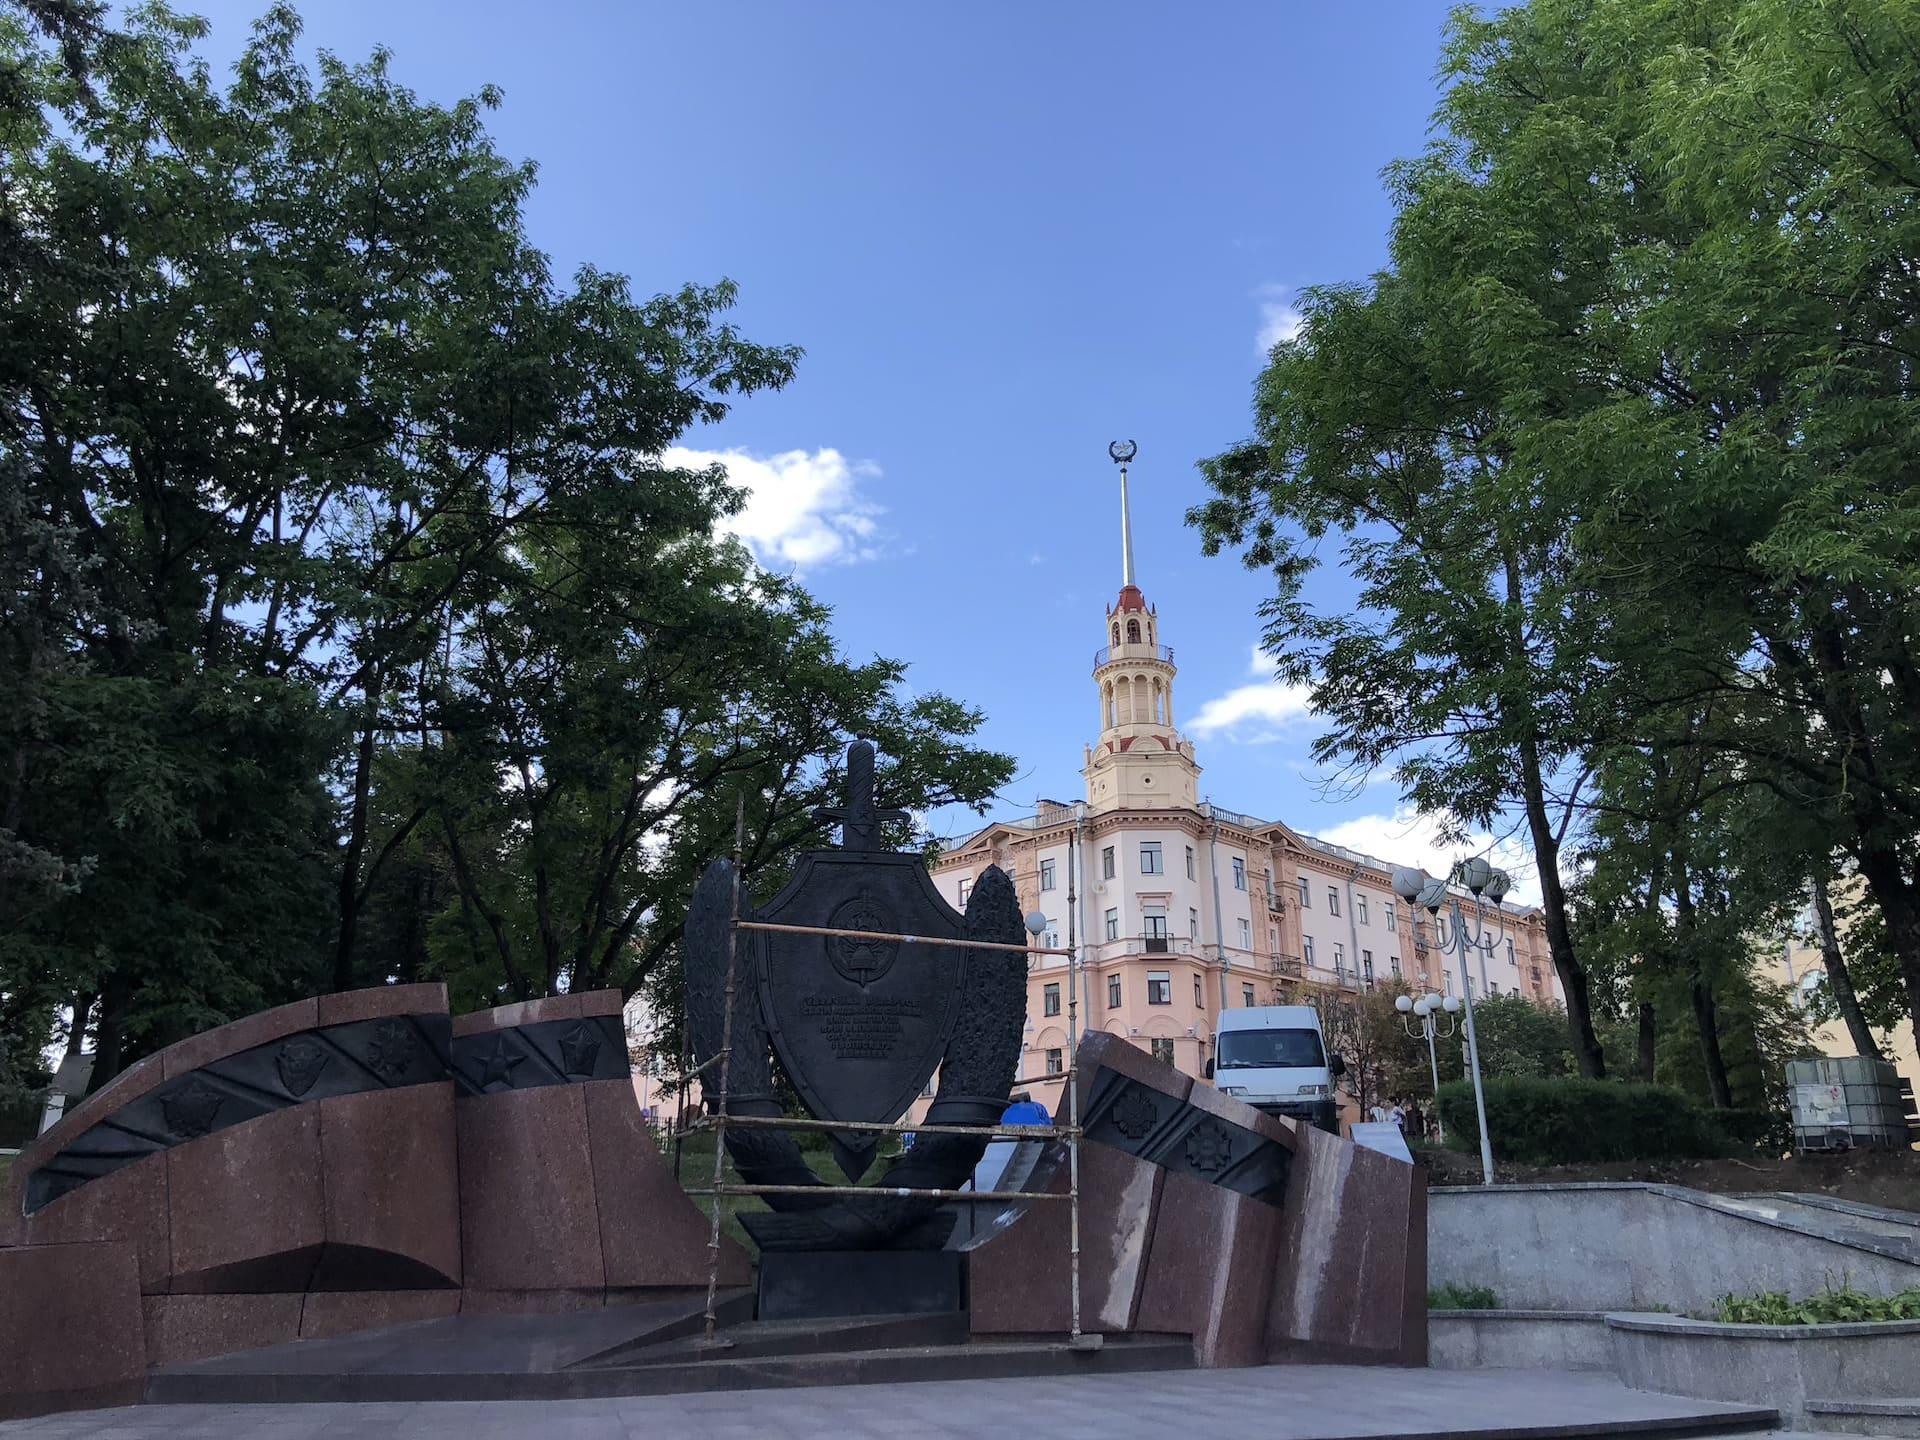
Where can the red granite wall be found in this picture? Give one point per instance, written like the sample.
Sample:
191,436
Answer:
423,1187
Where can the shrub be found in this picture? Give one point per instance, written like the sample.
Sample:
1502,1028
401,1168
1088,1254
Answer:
1830,1307
1768,1131
1462,1297
1565,1122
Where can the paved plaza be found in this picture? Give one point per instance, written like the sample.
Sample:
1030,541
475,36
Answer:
1301,1402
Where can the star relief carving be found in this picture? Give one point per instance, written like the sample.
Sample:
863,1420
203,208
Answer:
498,1067
579,1048
1209,1148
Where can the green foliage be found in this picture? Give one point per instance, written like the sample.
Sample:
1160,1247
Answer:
1455,1296
1769,1132
356,623
1568,1122
1830,1307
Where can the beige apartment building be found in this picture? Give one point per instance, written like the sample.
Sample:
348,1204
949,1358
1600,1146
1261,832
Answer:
1797,965
1180,908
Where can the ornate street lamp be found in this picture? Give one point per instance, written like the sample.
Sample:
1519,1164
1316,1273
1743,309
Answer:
1479,879
1426,1013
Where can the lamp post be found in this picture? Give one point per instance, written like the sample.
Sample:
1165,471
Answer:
1478,878
1426,1011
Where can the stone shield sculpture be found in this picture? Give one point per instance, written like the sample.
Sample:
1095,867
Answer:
859,1022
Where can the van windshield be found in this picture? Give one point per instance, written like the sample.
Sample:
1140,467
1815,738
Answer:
1285,1049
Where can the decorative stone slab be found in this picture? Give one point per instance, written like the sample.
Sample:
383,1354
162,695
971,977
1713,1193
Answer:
247,1206
564,1051
165,1111
529,1219
1018,1281
71,1335
1352,1274
392,1190
651,1232
192,1327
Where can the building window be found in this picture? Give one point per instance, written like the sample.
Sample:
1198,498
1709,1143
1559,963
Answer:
1150,857
1446,977
1050,999
1393,924
1246,934
1239,873
1053,939
1199,998
1162,1051
1246,997
1306,948
1193,924
1395,962
1511,960
926,1090
1106,863
1189,862
1536,975
1273,941
1133,632
1113,924
966,889
1046,874
1154,919
1113,992
1306,894
1366,967
1333,899
1360,908
1159,987
1056,1062
1339,958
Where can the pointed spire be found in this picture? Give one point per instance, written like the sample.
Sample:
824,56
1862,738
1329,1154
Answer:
1121,452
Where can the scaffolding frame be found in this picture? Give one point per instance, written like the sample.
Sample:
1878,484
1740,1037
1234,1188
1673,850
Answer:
717,1121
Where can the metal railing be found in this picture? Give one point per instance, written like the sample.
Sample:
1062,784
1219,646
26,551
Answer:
1146,652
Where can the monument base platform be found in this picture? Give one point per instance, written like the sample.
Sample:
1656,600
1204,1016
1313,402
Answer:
826,1284
655,1348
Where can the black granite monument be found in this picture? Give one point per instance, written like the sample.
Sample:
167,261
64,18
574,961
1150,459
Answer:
860,1024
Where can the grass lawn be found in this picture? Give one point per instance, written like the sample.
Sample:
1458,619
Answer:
696,1173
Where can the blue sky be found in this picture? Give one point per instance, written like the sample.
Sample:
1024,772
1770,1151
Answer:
1005,235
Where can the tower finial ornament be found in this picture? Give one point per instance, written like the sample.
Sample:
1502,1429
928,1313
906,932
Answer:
1121,452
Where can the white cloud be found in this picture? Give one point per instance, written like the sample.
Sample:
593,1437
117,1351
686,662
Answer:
1253,714
1408,838
1280,318
803,508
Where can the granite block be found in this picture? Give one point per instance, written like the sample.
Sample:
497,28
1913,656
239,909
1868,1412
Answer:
341,1312
530,1302
130,1204
225,1040
651,1232
601,1002
193,1327
1019,1282
71,1332
1210,1269
529,1219
247,1206
392,1190
380,1000
524,1012
1098,1048
1351,1285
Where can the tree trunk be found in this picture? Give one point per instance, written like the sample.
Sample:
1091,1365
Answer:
356,841
1838,980
77,1032
1643,1062
1706,1014
1587,1054
1900,906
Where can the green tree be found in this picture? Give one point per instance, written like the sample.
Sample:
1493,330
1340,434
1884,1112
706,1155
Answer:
356,627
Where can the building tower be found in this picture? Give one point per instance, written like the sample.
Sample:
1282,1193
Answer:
1140,760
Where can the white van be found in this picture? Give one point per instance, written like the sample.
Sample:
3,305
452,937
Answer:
1274,1058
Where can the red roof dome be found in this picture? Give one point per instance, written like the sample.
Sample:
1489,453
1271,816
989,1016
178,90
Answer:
1131,599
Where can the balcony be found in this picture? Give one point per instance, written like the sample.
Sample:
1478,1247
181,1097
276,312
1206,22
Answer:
1286,967
1132,652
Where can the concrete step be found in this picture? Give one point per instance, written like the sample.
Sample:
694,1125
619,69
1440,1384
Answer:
268,1384
1899,1415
